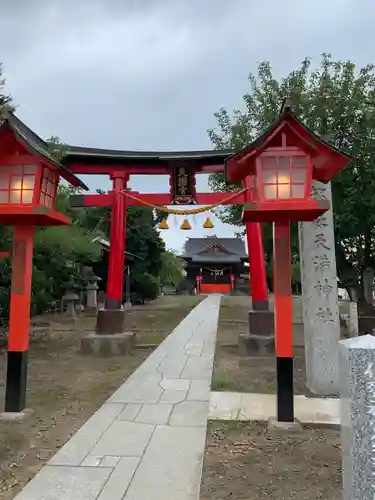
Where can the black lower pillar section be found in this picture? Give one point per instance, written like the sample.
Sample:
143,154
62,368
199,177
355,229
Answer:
285,401
15,391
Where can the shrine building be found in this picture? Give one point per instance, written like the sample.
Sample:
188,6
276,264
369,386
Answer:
215,264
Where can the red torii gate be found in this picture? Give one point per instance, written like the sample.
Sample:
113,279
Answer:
119,165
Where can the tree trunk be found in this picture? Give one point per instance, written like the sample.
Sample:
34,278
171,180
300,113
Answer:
368,280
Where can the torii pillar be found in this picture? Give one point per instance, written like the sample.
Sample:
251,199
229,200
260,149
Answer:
111,319
261,319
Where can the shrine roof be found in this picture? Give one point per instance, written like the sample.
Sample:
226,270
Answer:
37,146
218,258
114,156
198,250
105,244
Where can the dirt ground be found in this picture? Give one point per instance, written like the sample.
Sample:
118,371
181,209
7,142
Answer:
65,388
250,374
243,461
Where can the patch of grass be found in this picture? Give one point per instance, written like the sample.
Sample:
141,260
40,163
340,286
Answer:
151,338
220,381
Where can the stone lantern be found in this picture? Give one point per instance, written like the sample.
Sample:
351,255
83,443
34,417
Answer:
70,298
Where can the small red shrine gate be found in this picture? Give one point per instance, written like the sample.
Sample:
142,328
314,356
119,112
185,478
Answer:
181,167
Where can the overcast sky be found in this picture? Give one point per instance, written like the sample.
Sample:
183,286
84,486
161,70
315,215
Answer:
150,74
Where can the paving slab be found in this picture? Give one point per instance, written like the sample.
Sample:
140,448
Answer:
130,412
61,482
171,467
148,440
200,390
155,413
190,414
76,450
120,479
127,439
262,407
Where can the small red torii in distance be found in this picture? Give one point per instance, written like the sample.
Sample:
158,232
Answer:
181,167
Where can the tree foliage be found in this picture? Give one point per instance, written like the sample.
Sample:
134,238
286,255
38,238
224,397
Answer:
6,102
61,252
172,269
337,101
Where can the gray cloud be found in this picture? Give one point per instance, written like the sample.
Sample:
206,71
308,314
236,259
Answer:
149,74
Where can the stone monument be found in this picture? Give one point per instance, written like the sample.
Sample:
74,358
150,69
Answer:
357,391
320,298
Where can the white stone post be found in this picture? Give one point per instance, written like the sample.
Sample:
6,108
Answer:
357,401
320,298
353,319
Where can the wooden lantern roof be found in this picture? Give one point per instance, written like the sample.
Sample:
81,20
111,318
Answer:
28,142
327,159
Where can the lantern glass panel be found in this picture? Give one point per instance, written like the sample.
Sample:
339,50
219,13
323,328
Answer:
270,192
283,176
283,191
299,161
298,190
299,175
48,187
17,184
4,182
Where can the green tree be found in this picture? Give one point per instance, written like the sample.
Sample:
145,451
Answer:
172,269
142,239
6,102
337,101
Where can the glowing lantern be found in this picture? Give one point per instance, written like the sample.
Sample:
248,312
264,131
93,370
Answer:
28,185
185,226
163,224
283,162
208,224
284,176
29,178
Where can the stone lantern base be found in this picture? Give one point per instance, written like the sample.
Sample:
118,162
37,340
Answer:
112,337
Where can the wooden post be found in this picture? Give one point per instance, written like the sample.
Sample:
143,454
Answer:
257,263
19,320
283,321
117,243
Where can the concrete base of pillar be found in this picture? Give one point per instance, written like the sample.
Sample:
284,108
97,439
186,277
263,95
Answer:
274,425
108,345
256,345
262,322
8,416
111,322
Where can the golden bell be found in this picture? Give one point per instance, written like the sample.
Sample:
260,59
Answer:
208,224
186,226
163,224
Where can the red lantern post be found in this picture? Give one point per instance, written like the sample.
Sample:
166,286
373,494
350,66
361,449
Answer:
284,161
29,178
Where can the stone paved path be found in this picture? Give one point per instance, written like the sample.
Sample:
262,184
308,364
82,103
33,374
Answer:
147,441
